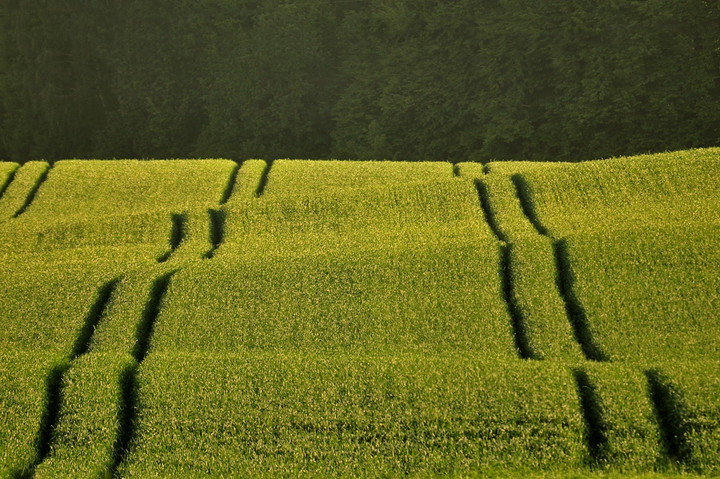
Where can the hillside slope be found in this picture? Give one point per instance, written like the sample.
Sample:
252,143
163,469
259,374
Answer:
202,318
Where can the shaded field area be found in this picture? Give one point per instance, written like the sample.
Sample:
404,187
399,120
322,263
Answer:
195,318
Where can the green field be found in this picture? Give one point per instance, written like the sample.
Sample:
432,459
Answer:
204,318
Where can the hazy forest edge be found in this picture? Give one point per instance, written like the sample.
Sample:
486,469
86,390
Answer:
300,318
414,80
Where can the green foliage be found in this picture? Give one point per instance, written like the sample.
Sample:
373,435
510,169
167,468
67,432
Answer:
308,271
668,189
303,178
387,301
248,179
7,171
34,291
648,293
370,79
530,267
633,439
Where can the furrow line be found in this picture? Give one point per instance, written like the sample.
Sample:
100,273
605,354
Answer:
488,211
263,179
177,234
217,230
517,318
50,415
564,277
33,192
669,414
150,314
97,311
230,185
54,382
519,322
596,429
573,307
524,194
127,416
7,183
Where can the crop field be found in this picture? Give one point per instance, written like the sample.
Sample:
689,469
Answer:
298,318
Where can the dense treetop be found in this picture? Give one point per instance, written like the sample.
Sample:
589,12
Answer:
397,79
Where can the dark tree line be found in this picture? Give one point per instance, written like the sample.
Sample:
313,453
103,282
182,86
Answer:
401,79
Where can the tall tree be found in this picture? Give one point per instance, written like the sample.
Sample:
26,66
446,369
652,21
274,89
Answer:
54,89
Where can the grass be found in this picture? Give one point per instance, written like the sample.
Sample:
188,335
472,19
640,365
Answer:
130,186
7,173
696,387
201,318
390,301
287,415
19,191
26,378
85,439
307,177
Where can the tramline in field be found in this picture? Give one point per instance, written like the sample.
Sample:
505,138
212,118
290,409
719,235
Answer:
195,318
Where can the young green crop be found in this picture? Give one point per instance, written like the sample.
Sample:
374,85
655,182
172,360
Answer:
412,299
286,415
375,218
307,177
623,193
359,318
696,388
18,192
84,441
90,189
98,203
629,437
651,295
530,267
45,308
26,377
247,181
639,235
7,169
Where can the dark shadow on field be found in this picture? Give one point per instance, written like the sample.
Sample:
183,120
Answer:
127,417
177,235
519,321
576,313
595,425
150,314
217,230
102,299
263,179
48,422
524,194
230,187
127,413
488,211
517,318
671,416
6,185
33,191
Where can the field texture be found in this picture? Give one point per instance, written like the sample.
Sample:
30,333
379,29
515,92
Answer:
203,318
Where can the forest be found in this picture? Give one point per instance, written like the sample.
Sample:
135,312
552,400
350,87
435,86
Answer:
451,80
